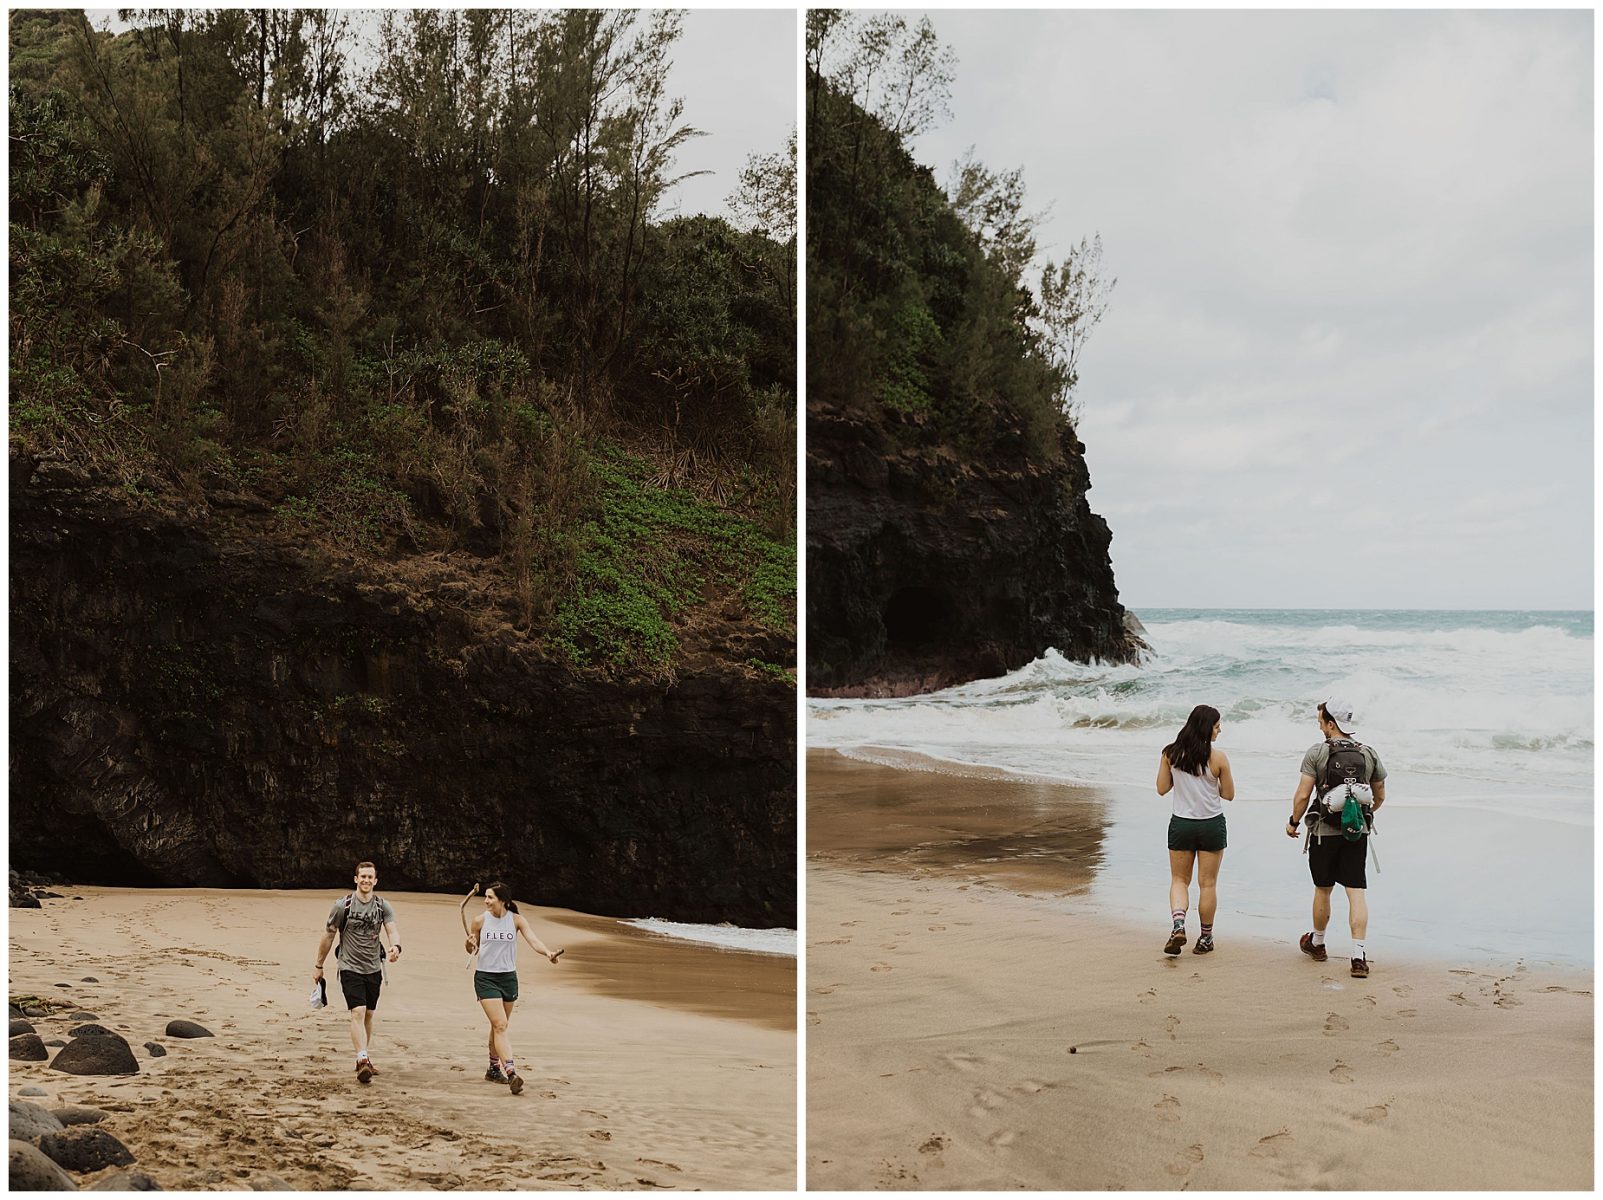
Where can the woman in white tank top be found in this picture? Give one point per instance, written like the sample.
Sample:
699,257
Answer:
1199,776
494,936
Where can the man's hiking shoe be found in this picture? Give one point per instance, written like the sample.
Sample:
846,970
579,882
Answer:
1360,968
371,1068
1306,945
1176,942
515,1082
495,1075
364,1071
1204,946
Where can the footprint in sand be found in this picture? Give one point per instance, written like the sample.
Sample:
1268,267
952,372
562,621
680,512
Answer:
1148,996
1187,1161
823,991
1507,1002
1168,1108
937,928
1402,990
881,967
1372,1115
963,1062
888,945
1170,1022
1335,1023
934,1145
1555,989
1388,1047
1458,998
1141,1047
812,1019
1271,1145
1461,972
986,1101
849,924
1208,1074
1030,1086
1408,1012
835,942
1341,1073
601,1135
1003,1140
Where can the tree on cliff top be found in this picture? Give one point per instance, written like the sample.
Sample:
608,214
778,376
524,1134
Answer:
918,302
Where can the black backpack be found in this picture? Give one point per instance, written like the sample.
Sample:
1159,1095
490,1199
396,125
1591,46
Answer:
1342,795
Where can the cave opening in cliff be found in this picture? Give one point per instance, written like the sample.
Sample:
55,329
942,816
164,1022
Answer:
917,618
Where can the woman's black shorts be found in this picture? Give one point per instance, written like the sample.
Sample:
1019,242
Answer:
1187,833
1332,859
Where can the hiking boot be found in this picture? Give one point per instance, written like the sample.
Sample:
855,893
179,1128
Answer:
364,1071
515,1082
1306,945
1176,942
1204,944
1360,968
371,1068
495,1075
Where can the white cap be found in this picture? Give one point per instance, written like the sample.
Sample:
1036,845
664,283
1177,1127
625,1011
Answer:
1341,713
319,997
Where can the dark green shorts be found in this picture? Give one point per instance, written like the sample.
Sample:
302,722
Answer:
495,985
1188,834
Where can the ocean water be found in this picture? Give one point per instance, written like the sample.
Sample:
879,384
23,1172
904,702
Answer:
1484,721
725,937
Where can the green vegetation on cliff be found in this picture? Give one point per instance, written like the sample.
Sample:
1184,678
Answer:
422,304
918,304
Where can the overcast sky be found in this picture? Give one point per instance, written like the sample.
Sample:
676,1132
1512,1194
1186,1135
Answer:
736,70
1348,362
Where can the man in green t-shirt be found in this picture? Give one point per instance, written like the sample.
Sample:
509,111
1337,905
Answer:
356,919
1332,857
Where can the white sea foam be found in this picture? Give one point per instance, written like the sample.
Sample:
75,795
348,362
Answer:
1482,709
725,937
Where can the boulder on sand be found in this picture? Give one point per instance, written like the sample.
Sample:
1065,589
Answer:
187,1029
96,1056
28,1047
30,1122
85,1148
31,1171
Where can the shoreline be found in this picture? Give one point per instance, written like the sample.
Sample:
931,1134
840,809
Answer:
665,1087
980,1024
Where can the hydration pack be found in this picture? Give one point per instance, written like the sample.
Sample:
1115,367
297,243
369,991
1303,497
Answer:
1342,796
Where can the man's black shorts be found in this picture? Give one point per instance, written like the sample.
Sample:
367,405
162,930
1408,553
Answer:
361,991
1332,859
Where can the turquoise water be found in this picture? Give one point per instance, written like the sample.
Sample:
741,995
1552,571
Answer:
1483,719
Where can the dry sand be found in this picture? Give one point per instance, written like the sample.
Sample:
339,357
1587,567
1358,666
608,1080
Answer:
650,1063
949,1010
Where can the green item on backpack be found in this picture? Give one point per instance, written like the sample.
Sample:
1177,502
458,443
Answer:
1352,819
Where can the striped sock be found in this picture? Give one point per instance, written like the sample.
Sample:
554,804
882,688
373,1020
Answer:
1179,915
508,1067
1207,932
494,1062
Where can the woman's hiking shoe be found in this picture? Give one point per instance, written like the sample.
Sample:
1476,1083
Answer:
495,1075
515,1082
364,1071
1204,945
1360,968
1306,945
1176,942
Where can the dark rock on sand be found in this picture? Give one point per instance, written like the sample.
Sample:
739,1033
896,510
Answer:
82,1016
31,1171
23,900
55,1042
125,1181
157,1050
30,1122
188,1029
18,1025
88,978
13,1010
85,1148
28,1047
78,1114
48,895
36,1010
96,1056
149,640
94,1031
33,1091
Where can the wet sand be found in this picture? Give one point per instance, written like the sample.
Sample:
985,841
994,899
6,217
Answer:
650,1063
947,1003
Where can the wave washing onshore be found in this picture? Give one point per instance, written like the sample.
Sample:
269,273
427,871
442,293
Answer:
1484,721
725,937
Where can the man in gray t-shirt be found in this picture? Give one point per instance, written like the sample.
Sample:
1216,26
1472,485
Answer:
356,920
1332,857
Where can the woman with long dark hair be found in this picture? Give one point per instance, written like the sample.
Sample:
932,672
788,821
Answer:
494,935
1199,776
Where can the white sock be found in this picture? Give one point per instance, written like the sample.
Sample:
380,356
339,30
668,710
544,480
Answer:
1358,951
1319,937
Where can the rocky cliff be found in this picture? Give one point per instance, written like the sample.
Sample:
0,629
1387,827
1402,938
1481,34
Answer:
926,570
198,701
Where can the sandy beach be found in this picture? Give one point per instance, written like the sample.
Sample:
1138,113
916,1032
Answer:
650,1063
1013,1040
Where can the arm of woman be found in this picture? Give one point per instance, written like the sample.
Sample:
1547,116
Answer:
528,936
1165,775
1227,781
473,933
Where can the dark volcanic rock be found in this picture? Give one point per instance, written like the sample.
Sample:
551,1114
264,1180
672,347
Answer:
31,1171
85,1148
124,1181
23,900
925,570
18,1025
156,1049
195,702
31,1090
188,1029
28,1047
96,1056
94,1031
81,1015
78,1114
88,978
